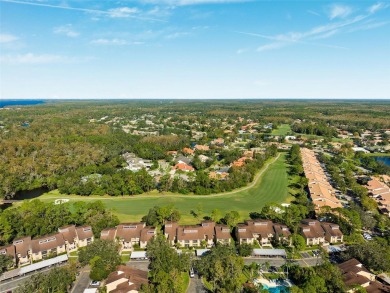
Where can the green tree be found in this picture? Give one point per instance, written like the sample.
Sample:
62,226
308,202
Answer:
5,262
166,267
56,280
222,268
299,242
245,249
231,218
103,256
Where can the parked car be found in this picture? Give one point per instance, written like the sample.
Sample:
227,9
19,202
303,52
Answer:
192,273
94,283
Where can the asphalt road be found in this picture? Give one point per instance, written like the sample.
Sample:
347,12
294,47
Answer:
82,281
196,285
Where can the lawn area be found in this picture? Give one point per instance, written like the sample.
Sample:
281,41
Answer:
283,129
378,154
270,186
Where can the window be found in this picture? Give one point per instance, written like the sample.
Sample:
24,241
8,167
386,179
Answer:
47,240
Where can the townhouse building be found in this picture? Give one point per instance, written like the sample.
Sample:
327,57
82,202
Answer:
316,232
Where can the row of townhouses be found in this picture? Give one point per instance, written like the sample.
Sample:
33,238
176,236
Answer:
26,250
208,233
130,234
321,192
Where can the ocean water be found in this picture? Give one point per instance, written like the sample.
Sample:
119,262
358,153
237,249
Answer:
5,103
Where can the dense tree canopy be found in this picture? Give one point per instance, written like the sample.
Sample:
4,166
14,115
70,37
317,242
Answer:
103,257
36,218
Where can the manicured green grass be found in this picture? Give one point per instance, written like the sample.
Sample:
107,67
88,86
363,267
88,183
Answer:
272,187
283,129
378,154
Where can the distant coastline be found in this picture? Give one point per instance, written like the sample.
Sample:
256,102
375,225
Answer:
5,103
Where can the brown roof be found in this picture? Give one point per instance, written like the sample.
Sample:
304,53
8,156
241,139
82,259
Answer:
312,229
222,232
135,276
69,233
376,287
196,232
22,246
47,242
8,250
282,230
262,227
193,232
331,229
243,232
352,265
148,233
170,230
108,234
84,232
128,231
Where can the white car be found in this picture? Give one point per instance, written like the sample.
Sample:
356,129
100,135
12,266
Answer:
192,273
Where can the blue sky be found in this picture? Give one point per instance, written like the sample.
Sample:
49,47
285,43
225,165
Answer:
194,49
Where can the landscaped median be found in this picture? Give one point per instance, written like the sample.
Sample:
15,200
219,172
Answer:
269,186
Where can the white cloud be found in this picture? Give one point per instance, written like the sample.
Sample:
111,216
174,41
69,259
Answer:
122,12
339,11
109,42
66,30
271,46
313,12
192,2
7,38
177,35
376,7
115,13
31,58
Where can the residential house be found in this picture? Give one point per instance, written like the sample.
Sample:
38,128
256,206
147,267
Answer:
108,234
129,234
183,167
255,230
321,192
85,235
316,232
70,236
218,141
200,147
23,250
188,151
47,246
222,234
195,235
332,232
203,158
126,280
355,274
170,229
380,192
147,233
9,250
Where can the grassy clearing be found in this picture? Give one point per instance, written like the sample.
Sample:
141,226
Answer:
283,129
378,154
271,186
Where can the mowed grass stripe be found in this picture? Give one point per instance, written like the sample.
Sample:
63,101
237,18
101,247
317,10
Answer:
272,187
